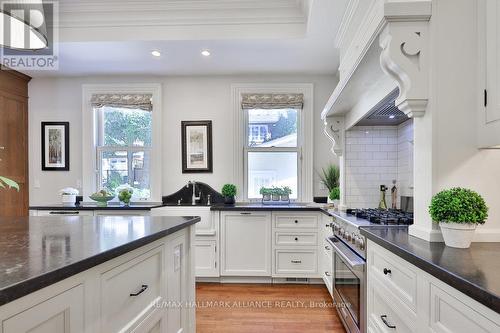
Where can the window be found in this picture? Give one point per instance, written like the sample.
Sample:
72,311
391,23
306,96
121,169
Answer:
124,137
272,150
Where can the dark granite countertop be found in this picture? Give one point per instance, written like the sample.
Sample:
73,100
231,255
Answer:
93,206
474,271
35,253
242,206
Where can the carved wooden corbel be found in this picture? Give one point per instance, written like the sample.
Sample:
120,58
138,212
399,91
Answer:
335,131
405,47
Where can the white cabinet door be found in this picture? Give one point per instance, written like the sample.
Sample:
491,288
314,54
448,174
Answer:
60,314
489,37
206,258
492,56
246,243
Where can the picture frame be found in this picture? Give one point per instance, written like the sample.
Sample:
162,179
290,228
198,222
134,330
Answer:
196,138
55,146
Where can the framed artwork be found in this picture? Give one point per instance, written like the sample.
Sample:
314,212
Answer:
55,146
196,139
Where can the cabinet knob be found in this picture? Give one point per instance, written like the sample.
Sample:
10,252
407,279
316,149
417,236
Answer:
327,274
327,248
296,221
296,238
384,319
387,271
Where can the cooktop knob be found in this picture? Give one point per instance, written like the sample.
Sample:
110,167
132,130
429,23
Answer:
361,243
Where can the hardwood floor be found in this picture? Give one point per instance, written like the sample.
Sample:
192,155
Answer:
265,308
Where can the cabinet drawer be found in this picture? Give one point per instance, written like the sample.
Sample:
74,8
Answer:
388,318
65,213
289,238
296,261
63,313
130,289
399,277
298,221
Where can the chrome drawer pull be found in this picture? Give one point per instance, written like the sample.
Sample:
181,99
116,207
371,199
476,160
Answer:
143,289
384,319
296,261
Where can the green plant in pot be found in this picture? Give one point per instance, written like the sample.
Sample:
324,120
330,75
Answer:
330,176
276,193
285,195
266,193
334,195
229,192
458,211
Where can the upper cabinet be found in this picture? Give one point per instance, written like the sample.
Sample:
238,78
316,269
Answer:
489,39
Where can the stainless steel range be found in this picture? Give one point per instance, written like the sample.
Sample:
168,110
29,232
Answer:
349,260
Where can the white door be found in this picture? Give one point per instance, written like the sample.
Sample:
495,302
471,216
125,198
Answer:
206,258
492,60
60,314
246,243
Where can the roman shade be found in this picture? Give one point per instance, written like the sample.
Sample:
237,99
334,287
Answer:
272,101
128,101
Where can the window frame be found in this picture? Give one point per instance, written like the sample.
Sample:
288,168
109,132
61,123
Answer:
305,135
91,135
247,149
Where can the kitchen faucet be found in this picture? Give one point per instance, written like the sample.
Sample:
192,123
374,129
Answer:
194,197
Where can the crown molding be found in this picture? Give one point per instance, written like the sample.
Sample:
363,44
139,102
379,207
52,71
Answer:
121,20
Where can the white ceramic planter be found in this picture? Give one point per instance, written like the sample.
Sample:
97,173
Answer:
457,234
68,199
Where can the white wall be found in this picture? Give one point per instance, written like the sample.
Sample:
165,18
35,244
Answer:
184,98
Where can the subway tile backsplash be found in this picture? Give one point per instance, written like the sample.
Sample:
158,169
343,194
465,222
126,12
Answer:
375,156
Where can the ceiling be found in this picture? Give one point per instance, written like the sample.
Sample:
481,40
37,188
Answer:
244,36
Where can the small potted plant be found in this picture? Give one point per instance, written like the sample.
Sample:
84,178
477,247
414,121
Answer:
266,193
330,178
276,193
68,196
334,196
458,211
285,193
229,192
125,194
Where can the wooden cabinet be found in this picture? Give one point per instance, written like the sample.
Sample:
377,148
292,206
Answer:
245,243
60,314
14,141
489,39
410,300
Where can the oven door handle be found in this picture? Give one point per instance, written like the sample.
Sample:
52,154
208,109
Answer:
340,249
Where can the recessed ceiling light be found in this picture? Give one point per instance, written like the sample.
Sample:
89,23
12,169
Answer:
205,53
155,53
392,116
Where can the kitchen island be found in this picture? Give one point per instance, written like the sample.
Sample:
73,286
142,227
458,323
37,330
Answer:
96,274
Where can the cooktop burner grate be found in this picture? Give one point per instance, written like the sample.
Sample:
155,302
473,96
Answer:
382,216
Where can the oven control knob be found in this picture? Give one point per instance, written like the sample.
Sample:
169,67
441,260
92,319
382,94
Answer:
348,236
341,232
361,243
354,238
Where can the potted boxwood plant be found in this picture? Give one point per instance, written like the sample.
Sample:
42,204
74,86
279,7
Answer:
458,211
334,196
229,192
276,193
285,193
266,193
